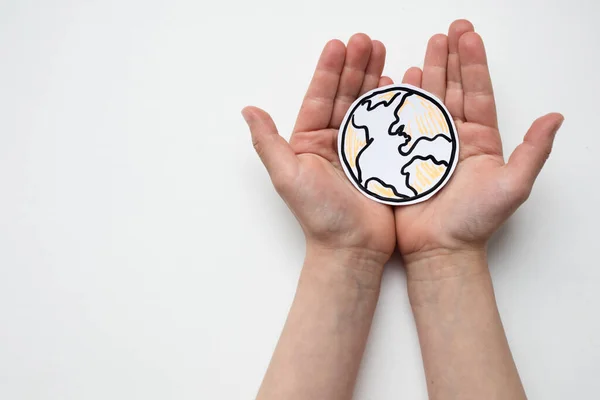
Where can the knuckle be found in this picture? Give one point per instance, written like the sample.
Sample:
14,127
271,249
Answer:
520,192
257,146
546,153
281,182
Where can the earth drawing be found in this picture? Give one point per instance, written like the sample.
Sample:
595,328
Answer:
398,144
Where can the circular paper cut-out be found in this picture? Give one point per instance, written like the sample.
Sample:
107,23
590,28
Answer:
398,144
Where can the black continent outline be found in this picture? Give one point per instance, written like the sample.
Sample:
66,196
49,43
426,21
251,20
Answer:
358,179
392,187
418,157
369,140
422,138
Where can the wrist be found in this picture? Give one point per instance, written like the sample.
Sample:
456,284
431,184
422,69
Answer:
345,268
442,263
434,275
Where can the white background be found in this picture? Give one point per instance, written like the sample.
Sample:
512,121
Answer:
143,252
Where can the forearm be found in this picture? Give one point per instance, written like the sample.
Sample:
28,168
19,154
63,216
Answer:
464,348
320,348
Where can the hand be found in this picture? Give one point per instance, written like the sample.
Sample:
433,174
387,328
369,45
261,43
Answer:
307,173
484,190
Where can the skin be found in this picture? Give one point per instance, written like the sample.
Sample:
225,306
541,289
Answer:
443,240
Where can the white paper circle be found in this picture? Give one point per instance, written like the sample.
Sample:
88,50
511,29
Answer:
398,144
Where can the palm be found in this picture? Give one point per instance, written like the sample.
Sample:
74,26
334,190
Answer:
307,172
464,210
332,207
483,191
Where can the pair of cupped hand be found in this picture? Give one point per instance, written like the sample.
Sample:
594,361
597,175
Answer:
482,193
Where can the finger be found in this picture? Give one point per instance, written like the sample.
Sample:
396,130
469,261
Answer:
434,67
413,76
527,160
384,81
479,104
273,150
316,109
374,67
454,90
351,80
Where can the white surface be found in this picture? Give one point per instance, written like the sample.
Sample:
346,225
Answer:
143,252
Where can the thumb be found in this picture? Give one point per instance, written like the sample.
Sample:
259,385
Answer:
527,160
273,150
